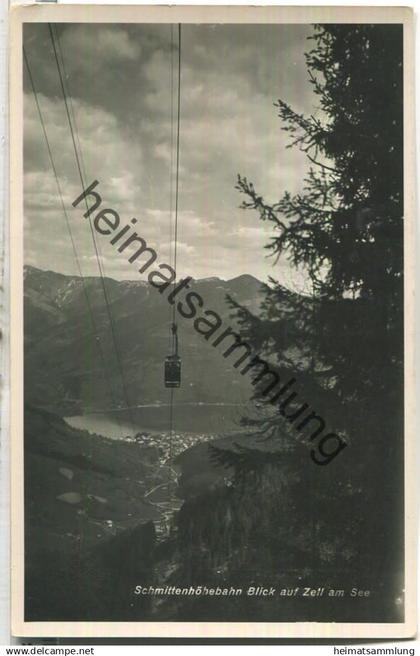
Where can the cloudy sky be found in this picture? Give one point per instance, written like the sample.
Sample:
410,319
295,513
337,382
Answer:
119,78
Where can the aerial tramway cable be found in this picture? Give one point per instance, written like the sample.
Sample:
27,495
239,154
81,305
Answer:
82,519
173,361
177,155
69,230
72,112
104,290
171,170
81,170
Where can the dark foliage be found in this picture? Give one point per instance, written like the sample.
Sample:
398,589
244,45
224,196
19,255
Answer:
343,341
345,226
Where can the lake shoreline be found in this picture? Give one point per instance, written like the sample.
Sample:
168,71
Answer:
188,419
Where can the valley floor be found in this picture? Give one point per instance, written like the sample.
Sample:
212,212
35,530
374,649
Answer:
103,516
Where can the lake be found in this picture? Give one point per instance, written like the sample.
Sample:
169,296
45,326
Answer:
206,418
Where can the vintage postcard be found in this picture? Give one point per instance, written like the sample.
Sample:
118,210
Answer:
212,322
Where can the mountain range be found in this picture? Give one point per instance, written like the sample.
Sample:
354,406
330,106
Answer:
72,365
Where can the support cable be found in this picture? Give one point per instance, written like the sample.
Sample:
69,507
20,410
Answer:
174,326
171,170
177,160
67,221
105,293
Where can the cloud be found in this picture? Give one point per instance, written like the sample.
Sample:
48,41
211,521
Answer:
100,46
108,156
119,79
182,248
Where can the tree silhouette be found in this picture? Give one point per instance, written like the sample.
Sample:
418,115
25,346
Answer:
345,226
346,229
342,341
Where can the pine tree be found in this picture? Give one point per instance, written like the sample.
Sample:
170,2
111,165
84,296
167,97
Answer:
345,227
344,341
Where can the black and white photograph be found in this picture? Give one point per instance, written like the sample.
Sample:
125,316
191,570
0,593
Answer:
214,231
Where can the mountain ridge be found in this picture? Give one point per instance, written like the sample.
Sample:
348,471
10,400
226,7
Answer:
31,269
71,364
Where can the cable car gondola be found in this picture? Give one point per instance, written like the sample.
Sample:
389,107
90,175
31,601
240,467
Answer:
173,362
172,371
